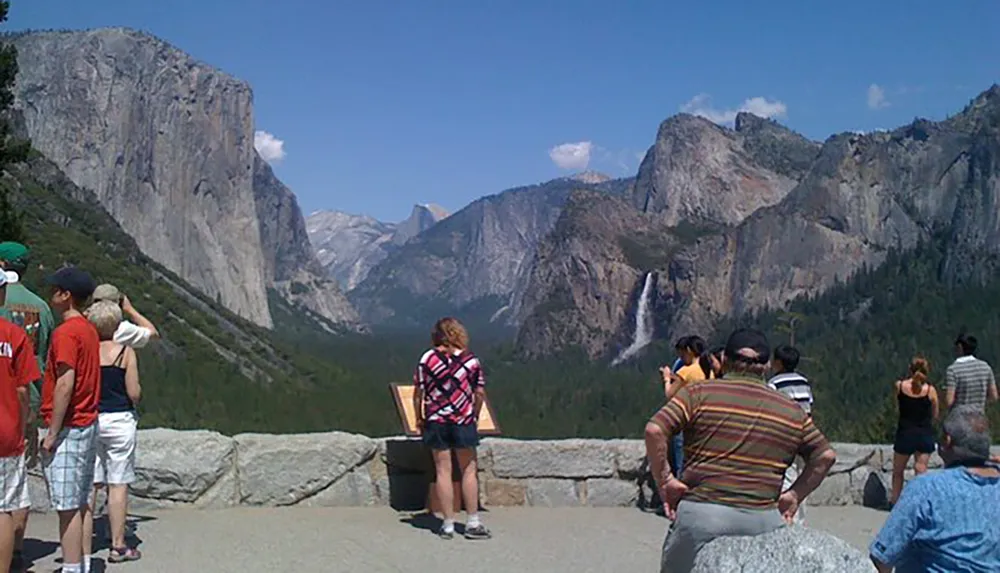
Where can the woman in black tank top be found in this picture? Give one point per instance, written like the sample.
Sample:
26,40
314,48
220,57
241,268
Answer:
918,409
117,424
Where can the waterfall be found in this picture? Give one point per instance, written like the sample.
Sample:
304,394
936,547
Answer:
643,324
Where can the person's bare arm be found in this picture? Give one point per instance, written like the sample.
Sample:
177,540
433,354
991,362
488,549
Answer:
479,398
136,317
65,381
25,401
950,384
817,466
132,387
935,407
991,390
418,406
656,452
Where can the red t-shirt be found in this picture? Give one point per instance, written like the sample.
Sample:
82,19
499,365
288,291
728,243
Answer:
74,343
18,368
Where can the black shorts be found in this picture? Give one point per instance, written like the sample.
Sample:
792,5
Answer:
440,436
911,441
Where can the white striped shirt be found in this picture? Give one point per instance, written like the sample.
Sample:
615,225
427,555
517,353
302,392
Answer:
796,387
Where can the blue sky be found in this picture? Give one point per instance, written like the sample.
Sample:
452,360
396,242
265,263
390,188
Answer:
382,104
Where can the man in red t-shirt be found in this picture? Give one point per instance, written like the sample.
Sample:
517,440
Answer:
70,394
18,369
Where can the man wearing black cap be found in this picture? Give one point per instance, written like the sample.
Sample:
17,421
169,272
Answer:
740,436
70,395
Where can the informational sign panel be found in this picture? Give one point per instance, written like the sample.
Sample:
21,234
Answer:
402,394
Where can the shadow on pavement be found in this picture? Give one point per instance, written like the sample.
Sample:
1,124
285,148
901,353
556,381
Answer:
430,522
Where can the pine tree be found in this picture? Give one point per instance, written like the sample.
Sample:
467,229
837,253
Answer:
12,149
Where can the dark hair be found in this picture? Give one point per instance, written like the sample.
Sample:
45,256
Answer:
699,348
967,343
788,356
681,343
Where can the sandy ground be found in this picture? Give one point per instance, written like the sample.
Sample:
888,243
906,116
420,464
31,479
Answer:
380,540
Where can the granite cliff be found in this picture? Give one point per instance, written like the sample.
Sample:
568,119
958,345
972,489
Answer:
290,265
166,144
348,246
473,262
859,196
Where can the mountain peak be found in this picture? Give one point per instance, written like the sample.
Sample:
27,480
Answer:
590,177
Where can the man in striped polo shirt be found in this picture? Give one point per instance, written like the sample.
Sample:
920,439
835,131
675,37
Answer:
969,380
740,436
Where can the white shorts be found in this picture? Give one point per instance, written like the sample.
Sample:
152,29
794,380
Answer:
13,484
115,448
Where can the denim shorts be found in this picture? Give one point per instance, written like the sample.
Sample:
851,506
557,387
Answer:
442,436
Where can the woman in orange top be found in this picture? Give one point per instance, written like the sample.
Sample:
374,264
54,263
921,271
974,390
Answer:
697,367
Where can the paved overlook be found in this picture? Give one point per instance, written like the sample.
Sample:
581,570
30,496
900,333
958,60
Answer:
378,539
344,502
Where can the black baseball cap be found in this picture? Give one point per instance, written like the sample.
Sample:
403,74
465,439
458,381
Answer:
73,280
746,342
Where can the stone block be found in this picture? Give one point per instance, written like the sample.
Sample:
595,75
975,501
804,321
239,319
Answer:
405,454
504,492
852,456
552,493
184,466
630,458
285,469
835,490
611,493
552,458
354,489
402,491
934,462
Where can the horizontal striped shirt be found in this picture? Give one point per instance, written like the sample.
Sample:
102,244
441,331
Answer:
796,387
739,438
971,379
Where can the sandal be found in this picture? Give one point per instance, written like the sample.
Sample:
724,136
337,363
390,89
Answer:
123,555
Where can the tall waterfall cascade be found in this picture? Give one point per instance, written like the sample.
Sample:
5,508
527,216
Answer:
643,324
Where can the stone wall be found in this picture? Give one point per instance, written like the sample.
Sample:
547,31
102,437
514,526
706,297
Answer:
203,469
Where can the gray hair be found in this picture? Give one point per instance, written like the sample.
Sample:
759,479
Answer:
106,316
969,433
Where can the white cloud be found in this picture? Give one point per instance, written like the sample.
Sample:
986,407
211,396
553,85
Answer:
270,148
572,155
701,105
876,97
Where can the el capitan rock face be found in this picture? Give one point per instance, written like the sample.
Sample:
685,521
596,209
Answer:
166,144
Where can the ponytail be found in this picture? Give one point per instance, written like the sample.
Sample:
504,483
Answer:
696,345
919,369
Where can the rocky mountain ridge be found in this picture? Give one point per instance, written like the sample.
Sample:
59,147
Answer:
471,263
166,144
860,196
348,246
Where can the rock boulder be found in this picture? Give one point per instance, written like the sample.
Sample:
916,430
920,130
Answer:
787,550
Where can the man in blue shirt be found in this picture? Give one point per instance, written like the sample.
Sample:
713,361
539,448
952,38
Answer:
946,521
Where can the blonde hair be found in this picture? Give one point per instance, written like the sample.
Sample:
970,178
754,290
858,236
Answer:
106,315
450,332
919,369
